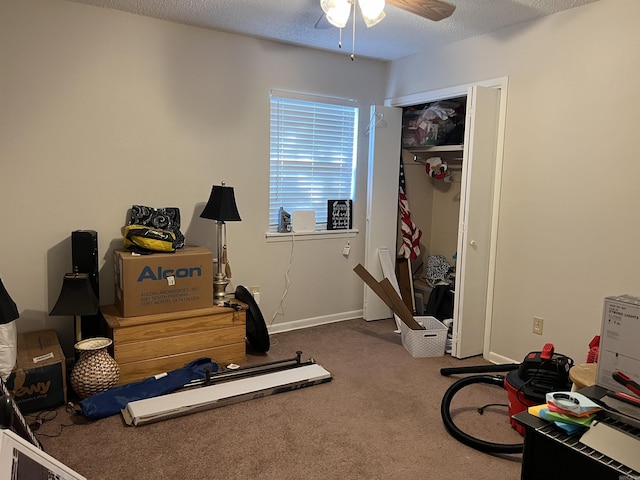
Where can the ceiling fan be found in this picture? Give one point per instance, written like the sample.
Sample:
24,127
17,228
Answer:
337,12
435,10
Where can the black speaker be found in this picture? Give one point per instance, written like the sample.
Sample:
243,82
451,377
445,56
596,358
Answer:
84,257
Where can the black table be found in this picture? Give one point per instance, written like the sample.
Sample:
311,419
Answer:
549,453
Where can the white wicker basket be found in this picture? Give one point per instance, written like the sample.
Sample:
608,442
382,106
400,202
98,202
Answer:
430,342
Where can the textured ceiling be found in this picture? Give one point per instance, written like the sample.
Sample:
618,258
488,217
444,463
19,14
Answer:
293,21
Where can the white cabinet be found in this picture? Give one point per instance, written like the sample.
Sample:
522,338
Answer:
474,214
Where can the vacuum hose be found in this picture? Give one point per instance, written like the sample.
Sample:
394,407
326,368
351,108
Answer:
457,433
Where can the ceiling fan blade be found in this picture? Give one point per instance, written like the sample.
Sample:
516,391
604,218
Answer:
322,22
435,10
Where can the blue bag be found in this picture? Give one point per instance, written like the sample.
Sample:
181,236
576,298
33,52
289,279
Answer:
110,402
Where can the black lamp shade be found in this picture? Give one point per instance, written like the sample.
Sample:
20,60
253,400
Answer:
8,308
76,297
221,205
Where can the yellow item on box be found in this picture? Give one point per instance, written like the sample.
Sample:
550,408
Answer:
148,239
535,410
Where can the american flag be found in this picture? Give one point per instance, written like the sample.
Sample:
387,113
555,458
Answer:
411,234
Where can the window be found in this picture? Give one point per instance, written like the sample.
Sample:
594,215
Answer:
313,153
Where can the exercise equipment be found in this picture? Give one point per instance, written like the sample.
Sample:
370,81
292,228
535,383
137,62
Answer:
227,387
233,373
526,383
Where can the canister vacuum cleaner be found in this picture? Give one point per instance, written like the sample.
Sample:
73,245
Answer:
526,383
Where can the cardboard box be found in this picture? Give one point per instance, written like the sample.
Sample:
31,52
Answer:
163,282
39,380
619,348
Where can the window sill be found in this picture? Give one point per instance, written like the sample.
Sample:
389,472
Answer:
317,235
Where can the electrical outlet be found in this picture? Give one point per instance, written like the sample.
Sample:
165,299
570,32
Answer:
538,323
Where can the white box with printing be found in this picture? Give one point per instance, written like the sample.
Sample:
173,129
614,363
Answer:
619,341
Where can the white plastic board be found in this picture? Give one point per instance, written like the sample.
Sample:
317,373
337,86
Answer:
204,398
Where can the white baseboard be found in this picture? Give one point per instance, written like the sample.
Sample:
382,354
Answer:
492,357
314,321
499,359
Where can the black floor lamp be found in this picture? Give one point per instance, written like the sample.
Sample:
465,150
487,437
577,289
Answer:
222,208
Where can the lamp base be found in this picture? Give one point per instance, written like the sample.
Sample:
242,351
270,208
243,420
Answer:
220,283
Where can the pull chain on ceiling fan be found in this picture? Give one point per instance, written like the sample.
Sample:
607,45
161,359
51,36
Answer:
337,12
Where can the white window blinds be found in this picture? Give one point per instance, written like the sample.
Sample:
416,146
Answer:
313,153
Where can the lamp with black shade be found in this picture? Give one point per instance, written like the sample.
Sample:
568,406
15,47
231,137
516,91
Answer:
222,208
95,370
76,298
8,332
8,308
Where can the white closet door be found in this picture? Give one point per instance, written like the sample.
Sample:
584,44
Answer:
385,134
474,234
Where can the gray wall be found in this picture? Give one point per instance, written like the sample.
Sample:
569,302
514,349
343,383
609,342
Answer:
568,230
103,109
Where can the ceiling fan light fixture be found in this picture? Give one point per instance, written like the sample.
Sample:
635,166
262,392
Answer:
372,11
337,11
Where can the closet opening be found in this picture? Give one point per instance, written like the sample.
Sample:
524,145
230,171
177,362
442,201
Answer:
432,157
